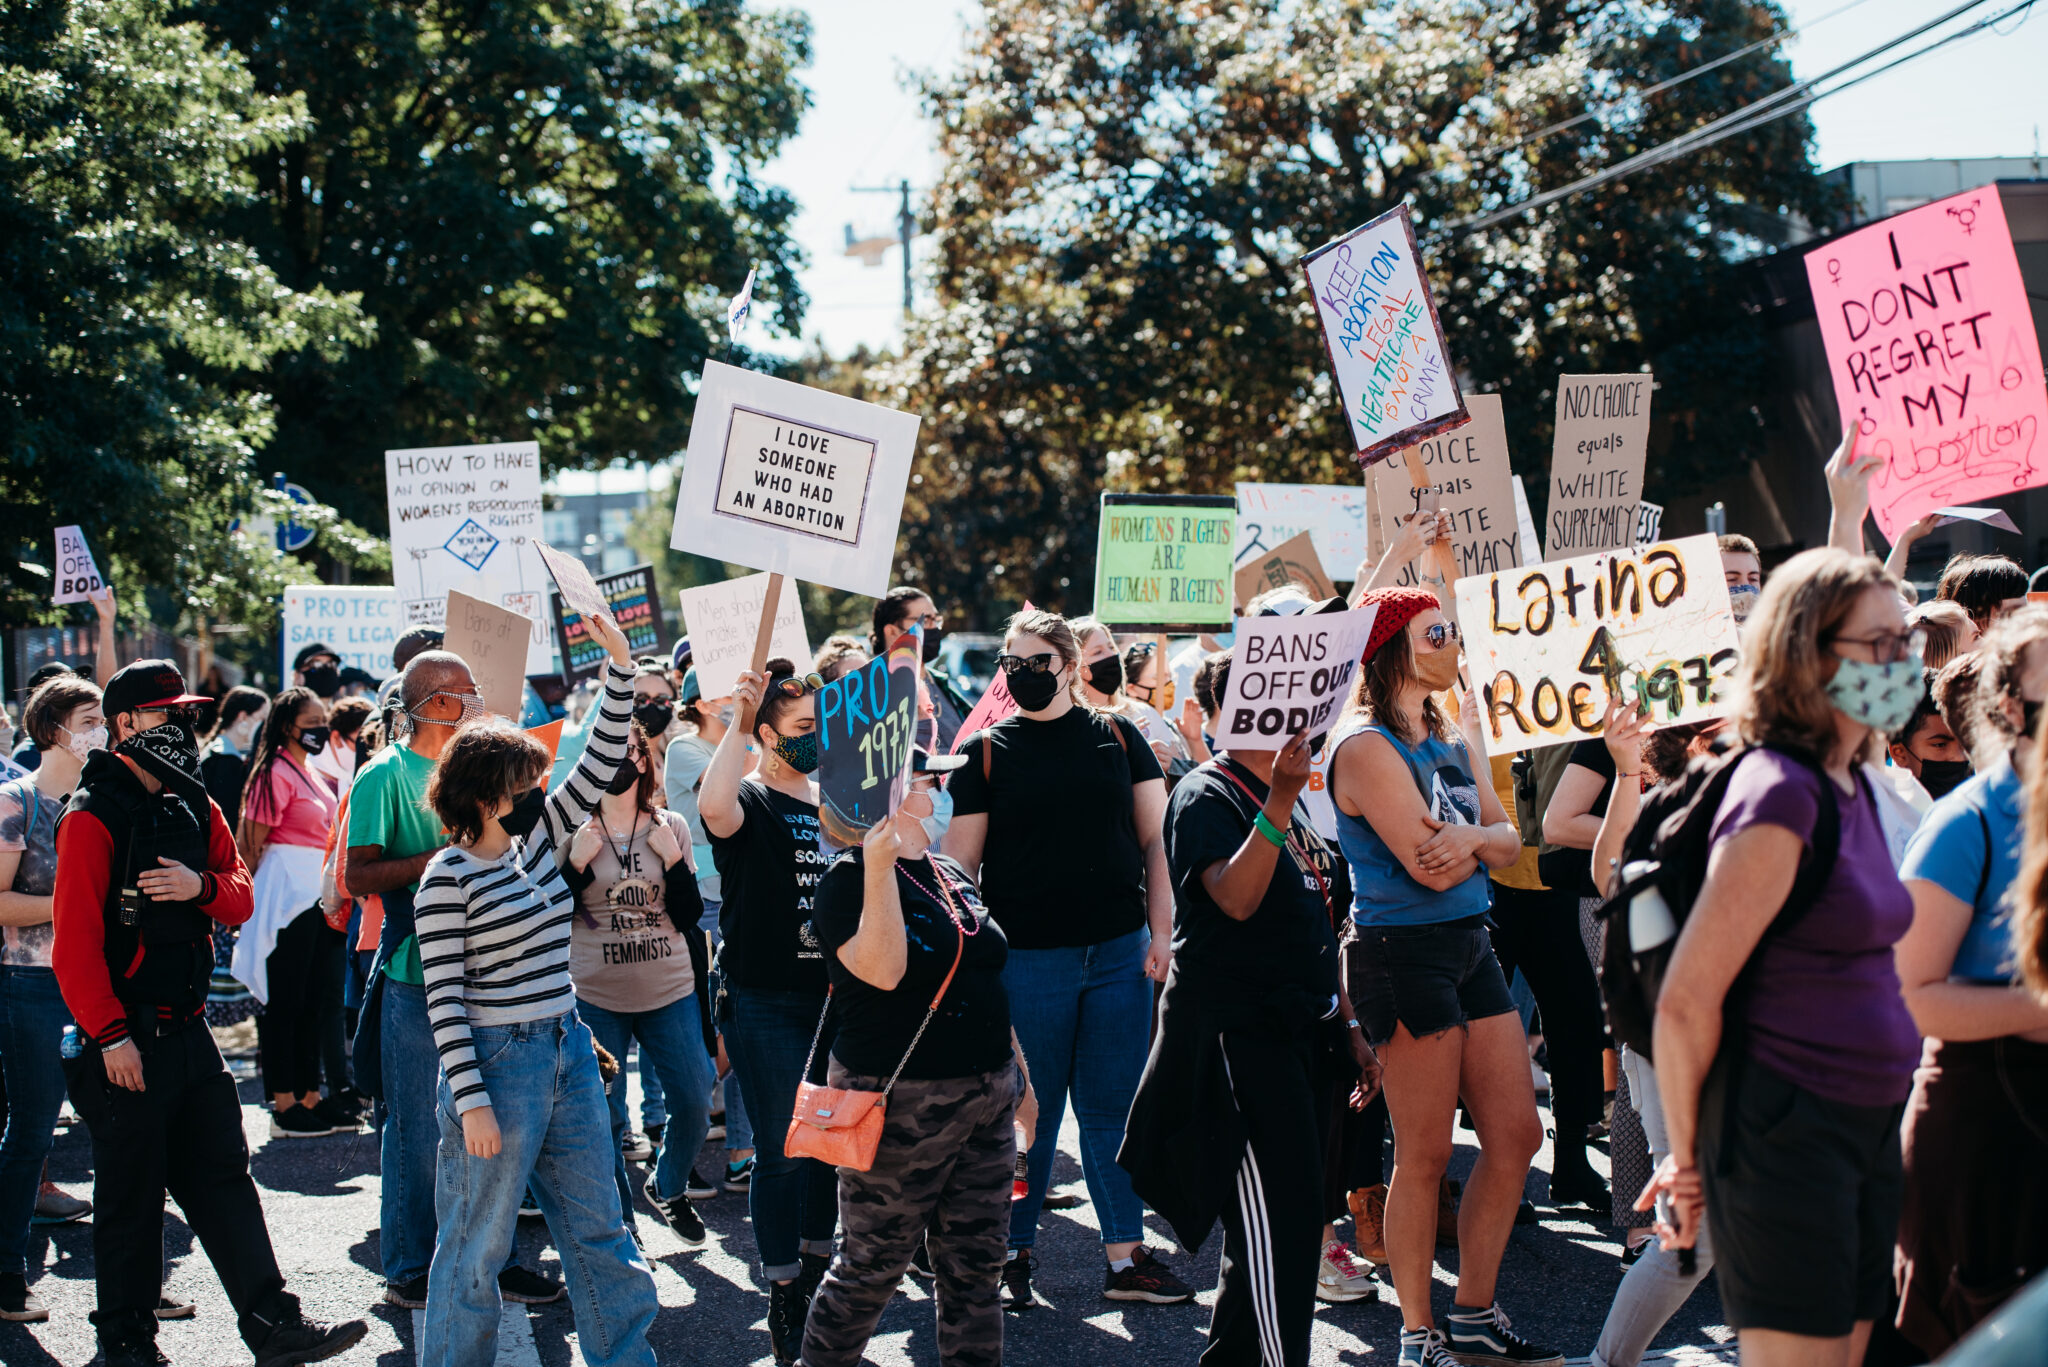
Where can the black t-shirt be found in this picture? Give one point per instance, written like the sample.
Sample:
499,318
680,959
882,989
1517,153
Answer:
970,1035
770,867
1289,939
1572,870
1062,865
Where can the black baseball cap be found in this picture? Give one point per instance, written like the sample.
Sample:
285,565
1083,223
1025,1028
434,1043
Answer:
147,686
314,651
55,669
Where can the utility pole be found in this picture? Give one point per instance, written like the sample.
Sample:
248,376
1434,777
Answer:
906,228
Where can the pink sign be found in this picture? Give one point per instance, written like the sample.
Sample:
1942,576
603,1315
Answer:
1934,355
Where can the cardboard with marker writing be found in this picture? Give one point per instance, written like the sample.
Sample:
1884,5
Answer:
467,518
1293,562
722,621
1596,463
492,641
1163,562
867,726
1469,479
1337,517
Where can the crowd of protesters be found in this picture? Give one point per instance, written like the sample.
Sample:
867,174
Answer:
1246,972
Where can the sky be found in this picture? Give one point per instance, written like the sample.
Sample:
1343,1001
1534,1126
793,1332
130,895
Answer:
1980,97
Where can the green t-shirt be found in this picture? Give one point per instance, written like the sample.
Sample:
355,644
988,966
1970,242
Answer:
387,806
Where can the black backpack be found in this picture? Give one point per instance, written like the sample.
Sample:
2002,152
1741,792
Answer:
1664,863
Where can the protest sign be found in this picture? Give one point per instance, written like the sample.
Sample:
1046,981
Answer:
1337,517
1163,562
793,480
358,622
1986,517
1596,463
1548,645
10,771
867,723
572,577
1649,521
77,576
996,703
721,621
1468,478
466,517
492,641
1386,343
1934,355
629,597
1295,562
1290,674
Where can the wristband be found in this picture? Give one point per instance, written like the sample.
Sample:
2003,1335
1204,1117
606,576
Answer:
1269,830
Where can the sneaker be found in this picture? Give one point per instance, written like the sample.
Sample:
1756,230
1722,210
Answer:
516,1283
1369,1222
1342,1277
1633,1254
681,1216
635,1146
1146,1279
1447,1212
529,1205
739,1176
1017,1280
55,1206
787,1308
169,1307
654,1134
300,1340
144,1353
410,1295
1581,1187
1424,1348
1484,1337
921,1262
815,1266
697,1189
298,1122
338,1115
717,1130
17,1303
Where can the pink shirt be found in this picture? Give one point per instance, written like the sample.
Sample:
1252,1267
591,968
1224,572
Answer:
297,806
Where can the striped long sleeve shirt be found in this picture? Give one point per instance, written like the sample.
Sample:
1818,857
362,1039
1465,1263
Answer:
494,933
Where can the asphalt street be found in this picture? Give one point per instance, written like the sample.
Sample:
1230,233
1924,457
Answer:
320,1196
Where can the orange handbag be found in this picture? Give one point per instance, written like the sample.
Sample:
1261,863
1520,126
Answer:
839,1125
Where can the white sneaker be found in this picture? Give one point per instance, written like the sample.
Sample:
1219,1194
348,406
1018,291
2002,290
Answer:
636,1147
1342,1278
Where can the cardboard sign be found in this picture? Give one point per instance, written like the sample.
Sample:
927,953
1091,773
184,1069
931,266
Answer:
629,597
1934,355
1386,343
572,577
359,622
492,641
77,575
467,518
1548,645
1988,517
794,480
1337,517
1163,562
867,725
1290,674
1596,463
720,620
1294,562
1469,479
1649,521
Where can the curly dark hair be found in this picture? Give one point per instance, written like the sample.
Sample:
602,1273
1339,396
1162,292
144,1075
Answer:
489,760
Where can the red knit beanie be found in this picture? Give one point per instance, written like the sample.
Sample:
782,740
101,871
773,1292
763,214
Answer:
1398,607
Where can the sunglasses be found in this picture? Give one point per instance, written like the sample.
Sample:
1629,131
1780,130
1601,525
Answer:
798,685
1440,635
1026,664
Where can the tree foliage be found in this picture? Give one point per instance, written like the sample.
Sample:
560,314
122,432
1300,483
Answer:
1129,185
543,207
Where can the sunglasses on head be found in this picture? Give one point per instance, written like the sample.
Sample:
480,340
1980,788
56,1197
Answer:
1440,635
1026,664
795,686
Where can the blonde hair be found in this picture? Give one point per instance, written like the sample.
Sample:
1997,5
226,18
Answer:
1943,620
1781,686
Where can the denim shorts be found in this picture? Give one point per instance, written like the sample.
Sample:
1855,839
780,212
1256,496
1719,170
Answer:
1429,978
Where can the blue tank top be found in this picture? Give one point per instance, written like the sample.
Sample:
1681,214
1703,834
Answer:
1383,892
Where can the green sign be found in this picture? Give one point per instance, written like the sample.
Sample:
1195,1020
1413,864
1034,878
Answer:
1163,561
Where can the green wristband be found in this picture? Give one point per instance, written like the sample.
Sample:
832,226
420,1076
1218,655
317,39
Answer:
1269,830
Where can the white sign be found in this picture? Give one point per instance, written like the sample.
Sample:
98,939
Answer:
357,622
721,619
466,518
1386,343
1596,463
1548,645
1290,674
572,577
1649,521
1335,516
77,575
787,478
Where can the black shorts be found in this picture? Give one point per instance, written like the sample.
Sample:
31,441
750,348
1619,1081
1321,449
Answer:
1428,978
1803,1196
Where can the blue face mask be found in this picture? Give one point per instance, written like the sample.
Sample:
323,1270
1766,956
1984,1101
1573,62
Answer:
942,815
1882,697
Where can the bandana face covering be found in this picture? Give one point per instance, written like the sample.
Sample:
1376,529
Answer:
1881,697
169,755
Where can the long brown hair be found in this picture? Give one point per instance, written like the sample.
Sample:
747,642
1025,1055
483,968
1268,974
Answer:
1781,694
1380,680
2030,895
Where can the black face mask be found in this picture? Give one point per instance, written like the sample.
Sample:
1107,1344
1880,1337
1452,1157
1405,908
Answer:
170,755
324,680
1940,776
654,717
1107,676
314,738
525,813
624,781
933,638
1034,692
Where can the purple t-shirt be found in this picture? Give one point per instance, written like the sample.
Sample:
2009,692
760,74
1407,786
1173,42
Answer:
1824,1007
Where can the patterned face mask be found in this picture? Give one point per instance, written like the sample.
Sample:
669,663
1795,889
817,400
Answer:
1881,697
798,752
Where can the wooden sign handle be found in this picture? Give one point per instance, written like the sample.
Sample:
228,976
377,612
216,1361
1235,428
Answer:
764,635
1443,564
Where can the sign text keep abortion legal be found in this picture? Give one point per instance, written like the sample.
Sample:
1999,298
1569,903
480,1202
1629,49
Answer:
784,474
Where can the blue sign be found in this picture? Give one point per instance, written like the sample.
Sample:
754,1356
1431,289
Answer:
291,536
867,723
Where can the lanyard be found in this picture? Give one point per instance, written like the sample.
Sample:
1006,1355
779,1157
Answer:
1296,848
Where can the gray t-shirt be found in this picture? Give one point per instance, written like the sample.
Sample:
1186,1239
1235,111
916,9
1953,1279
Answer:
688,757
28,827
625,954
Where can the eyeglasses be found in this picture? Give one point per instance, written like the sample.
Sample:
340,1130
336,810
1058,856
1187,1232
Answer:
931,621
797,686
1026,664
1440,634
1889,647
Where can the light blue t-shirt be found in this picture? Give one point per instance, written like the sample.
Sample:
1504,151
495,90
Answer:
1383,892
1977,821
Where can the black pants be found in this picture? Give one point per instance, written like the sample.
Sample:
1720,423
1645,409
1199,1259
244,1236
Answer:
1538,932
301,1026
1273,1223
182,1132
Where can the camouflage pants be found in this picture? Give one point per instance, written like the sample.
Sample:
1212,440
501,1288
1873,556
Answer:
941,1174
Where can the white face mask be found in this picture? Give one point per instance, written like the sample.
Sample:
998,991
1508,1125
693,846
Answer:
83,743
242,730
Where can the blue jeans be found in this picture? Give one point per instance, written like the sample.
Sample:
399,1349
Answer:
739,1131
32,1021
1083,1017
411,1068
794,1201
548,1100
671,1047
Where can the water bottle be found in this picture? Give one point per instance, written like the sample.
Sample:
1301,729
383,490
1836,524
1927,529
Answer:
1020,1181
73,1043
1650,920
